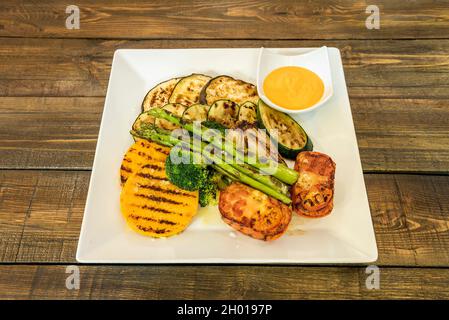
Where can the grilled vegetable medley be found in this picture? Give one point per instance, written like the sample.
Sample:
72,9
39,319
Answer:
198,143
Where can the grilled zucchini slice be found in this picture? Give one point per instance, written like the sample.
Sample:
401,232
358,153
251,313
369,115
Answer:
291,137
224,112
187,90
142,119
226,87
175,109
197,112
247,115
159,94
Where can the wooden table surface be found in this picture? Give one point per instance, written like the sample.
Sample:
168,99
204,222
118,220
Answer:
52,87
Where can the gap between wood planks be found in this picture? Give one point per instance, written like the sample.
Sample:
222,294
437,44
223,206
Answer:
223,39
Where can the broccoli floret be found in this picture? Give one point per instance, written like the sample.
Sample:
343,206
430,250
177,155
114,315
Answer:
189,176
209,191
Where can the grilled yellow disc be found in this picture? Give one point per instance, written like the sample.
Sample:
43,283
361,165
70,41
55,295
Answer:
153,206
140,153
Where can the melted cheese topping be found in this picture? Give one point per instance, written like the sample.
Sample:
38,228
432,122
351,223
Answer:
293,88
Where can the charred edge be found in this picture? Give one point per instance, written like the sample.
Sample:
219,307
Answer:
268,233
126,169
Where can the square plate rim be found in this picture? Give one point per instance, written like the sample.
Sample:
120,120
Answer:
369,257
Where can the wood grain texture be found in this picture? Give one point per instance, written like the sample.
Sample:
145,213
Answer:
79,68
220,282
401,135
52,87
398,92
49,132
235,19
41,213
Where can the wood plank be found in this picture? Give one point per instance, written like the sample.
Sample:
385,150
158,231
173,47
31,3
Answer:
233,19
374,68
411,218
49,132
220,282
41,213
400,135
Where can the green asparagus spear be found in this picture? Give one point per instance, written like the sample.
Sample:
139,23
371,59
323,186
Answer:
280,171
230,170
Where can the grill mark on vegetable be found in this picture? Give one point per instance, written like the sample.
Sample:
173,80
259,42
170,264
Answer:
150,176
154,167
160,210
148,229
175,192
144,155
162,151
161,221
126,169
157,198
151,147
153,99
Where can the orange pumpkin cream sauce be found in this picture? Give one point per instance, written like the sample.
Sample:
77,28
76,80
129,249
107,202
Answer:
293,88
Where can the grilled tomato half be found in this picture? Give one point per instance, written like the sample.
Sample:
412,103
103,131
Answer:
313,193
253,213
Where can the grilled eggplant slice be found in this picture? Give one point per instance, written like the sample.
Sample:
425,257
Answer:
247,115
187,90
158,96
196,112
291,137
226,87
253,213
224,112
154,207
175,109
313,193
138,154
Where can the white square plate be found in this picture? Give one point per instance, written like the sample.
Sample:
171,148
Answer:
345,236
